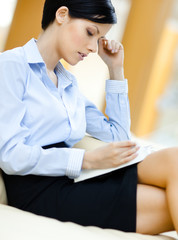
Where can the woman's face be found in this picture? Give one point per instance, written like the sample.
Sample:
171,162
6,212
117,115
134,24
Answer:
78,37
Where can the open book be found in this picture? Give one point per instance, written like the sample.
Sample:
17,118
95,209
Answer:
142,153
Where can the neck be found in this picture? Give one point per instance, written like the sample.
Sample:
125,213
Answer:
46,45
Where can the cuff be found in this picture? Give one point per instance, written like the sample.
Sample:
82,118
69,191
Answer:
75,163
116,86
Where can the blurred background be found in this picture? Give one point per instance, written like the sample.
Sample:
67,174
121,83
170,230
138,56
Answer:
149,33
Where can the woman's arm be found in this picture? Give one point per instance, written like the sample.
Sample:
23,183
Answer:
117,126
16,155
112,53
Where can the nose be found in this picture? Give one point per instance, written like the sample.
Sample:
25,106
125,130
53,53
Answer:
93,46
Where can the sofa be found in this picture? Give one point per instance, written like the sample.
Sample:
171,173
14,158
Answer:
21,225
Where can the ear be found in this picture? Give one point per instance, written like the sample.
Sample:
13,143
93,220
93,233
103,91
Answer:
62,14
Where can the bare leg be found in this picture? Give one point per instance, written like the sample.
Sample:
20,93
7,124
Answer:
160,170
153,215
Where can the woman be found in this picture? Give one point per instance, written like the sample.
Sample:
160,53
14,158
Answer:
43,115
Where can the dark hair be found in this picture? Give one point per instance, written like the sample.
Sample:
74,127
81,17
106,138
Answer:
101,11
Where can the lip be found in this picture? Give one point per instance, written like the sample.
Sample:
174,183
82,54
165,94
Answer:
82,55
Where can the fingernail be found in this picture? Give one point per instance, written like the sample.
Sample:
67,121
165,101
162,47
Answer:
104,42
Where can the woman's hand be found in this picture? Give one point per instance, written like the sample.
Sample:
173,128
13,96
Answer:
112,53
111,155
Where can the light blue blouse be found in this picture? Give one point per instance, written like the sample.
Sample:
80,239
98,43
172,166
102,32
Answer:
34,113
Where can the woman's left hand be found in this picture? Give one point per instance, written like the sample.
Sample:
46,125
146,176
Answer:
112,53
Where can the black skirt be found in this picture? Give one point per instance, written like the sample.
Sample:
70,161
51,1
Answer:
107,201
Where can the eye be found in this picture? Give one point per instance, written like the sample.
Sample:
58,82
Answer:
89,33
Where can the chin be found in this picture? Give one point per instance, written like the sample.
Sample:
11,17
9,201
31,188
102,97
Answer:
71,61
73,64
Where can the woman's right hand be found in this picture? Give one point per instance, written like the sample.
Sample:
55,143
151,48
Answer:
111,155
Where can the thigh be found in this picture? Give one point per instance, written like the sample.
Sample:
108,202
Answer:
158,167
153,215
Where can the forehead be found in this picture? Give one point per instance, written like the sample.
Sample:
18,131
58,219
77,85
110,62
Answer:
101,28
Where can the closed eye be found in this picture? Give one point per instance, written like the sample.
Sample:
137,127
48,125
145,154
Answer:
89,33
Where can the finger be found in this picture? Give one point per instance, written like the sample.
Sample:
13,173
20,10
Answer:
114,46
121,46
129,158
102,39
130,152
108,45
125,144
103,43
125,149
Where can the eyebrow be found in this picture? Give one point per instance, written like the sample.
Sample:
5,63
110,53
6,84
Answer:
96,28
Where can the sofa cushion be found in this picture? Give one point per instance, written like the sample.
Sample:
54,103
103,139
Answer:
17,224
3,197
